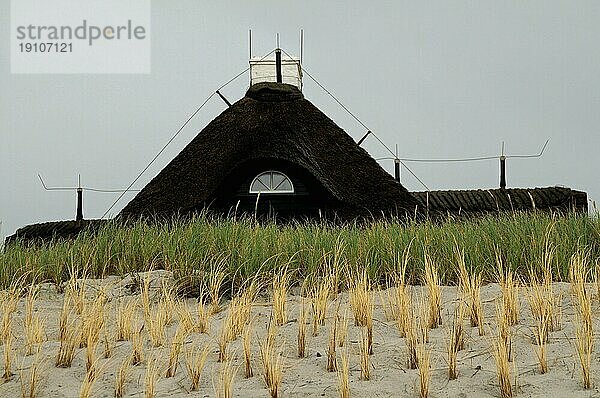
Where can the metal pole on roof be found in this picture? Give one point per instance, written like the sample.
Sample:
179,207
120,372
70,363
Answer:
363,137
223,98
301,46
250,43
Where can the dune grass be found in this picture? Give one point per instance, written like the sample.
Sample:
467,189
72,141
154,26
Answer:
238,249
321,261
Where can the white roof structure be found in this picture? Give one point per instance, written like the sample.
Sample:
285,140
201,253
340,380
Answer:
264,70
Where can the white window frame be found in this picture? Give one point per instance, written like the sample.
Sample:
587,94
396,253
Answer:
272,190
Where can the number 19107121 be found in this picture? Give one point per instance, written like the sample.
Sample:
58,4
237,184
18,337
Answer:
46,47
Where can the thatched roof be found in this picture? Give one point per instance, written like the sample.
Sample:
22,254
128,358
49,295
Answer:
272,121
49,231
500,200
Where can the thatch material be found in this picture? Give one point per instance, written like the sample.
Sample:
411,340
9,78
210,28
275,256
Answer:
272,121
501,200
55,230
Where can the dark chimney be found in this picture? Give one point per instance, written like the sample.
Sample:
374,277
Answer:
502,172
397,169
79,216
278,65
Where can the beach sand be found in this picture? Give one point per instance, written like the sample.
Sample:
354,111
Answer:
308,377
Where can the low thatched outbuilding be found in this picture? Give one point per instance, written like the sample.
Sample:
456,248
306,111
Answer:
482,201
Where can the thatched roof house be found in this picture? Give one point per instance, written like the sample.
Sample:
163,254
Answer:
273,152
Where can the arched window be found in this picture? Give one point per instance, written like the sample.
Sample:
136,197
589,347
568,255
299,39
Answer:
271,182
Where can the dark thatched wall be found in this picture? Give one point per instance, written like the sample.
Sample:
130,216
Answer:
272,121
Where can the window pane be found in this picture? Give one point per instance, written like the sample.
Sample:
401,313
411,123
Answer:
285,186
277,180
258,186
265,179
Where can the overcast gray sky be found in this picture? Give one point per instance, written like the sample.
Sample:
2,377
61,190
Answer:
440,79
